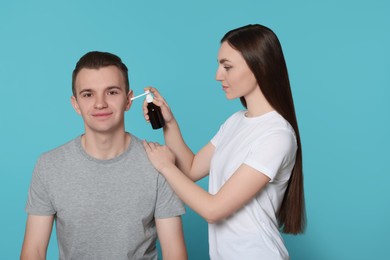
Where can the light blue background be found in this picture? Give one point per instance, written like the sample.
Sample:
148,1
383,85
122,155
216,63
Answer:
338,57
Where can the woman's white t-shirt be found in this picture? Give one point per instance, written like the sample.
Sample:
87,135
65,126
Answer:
268,144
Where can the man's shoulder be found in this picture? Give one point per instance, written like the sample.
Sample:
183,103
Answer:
61,150
136,144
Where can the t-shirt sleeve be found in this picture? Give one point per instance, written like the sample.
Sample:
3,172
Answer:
168,204
38,201
273,153
217,137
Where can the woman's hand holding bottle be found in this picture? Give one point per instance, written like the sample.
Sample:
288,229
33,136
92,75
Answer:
159,101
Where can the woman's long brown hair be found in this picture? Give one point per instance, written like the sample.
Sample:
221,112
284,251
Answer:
263,53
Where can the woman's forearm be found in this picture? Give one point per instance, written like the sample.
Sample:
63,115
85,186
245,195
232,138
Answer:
174,140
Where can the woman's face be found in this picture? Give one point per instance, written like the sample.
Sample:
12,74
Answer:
233,72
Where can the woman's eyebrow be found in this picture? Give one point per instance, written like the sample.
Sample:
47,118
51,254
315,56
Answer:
223,60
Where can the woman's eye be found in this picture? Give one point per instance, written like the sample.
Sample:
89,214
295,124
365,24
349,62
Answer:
227,67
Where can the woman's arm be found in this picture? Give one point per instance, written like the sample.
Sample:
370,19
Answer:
194,166
243,185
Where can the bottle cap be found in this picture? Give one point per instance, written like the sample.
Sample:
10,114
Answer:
149,97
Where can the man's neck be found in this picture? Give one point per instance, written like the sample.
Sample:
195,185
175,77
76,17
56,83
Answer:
104,146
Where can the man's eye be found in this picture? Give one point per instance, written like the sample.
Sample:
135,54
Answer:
113,92
227,67
86,95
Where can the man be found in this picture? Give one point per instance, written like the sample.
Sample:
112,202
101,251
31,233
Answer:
100,188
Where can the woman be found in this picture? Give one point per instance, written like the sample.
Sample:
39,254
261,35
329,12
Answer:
254,161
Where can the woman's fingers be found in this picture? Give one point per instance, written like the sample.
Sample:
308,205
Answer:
159,101
151,146
160,156
146,146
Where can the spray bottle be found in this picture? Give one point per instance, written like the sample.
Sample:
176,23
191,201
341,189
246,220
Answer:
154,113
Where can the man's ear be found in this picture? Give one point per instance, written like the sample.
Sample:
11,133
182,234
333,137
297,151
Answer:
75,104
128,100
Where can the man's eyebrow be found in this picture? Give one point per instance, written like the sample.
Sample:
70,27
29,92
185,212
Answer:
113,87
85,90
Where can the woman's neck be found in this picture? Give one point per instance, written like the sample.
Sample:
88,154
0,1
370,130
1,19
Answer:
257,104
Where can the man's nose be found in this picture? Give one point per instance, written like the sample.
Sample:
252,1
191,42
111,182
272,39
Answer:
100,102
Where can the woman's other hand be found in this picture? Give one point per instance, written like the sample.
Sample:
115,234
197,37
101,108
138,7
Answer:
159,155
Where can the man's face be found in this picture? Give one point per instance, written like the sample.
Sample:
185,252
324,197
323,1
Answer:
101,99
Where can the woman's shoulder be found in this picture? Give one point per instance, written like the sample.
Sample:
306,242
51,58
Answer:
236,116
281,124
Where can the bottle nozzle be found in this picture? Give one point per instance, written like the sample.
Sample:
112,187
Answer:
143,94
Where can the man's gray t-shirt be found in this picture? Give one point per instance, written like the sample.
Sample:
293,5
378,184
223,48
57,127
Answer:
104,209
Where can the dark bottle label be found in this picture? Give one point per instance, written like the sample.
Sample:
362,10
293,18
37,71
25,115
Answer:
155,116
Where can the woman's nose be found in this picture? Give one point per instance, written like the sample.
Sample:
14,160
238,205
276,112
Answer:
218,75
